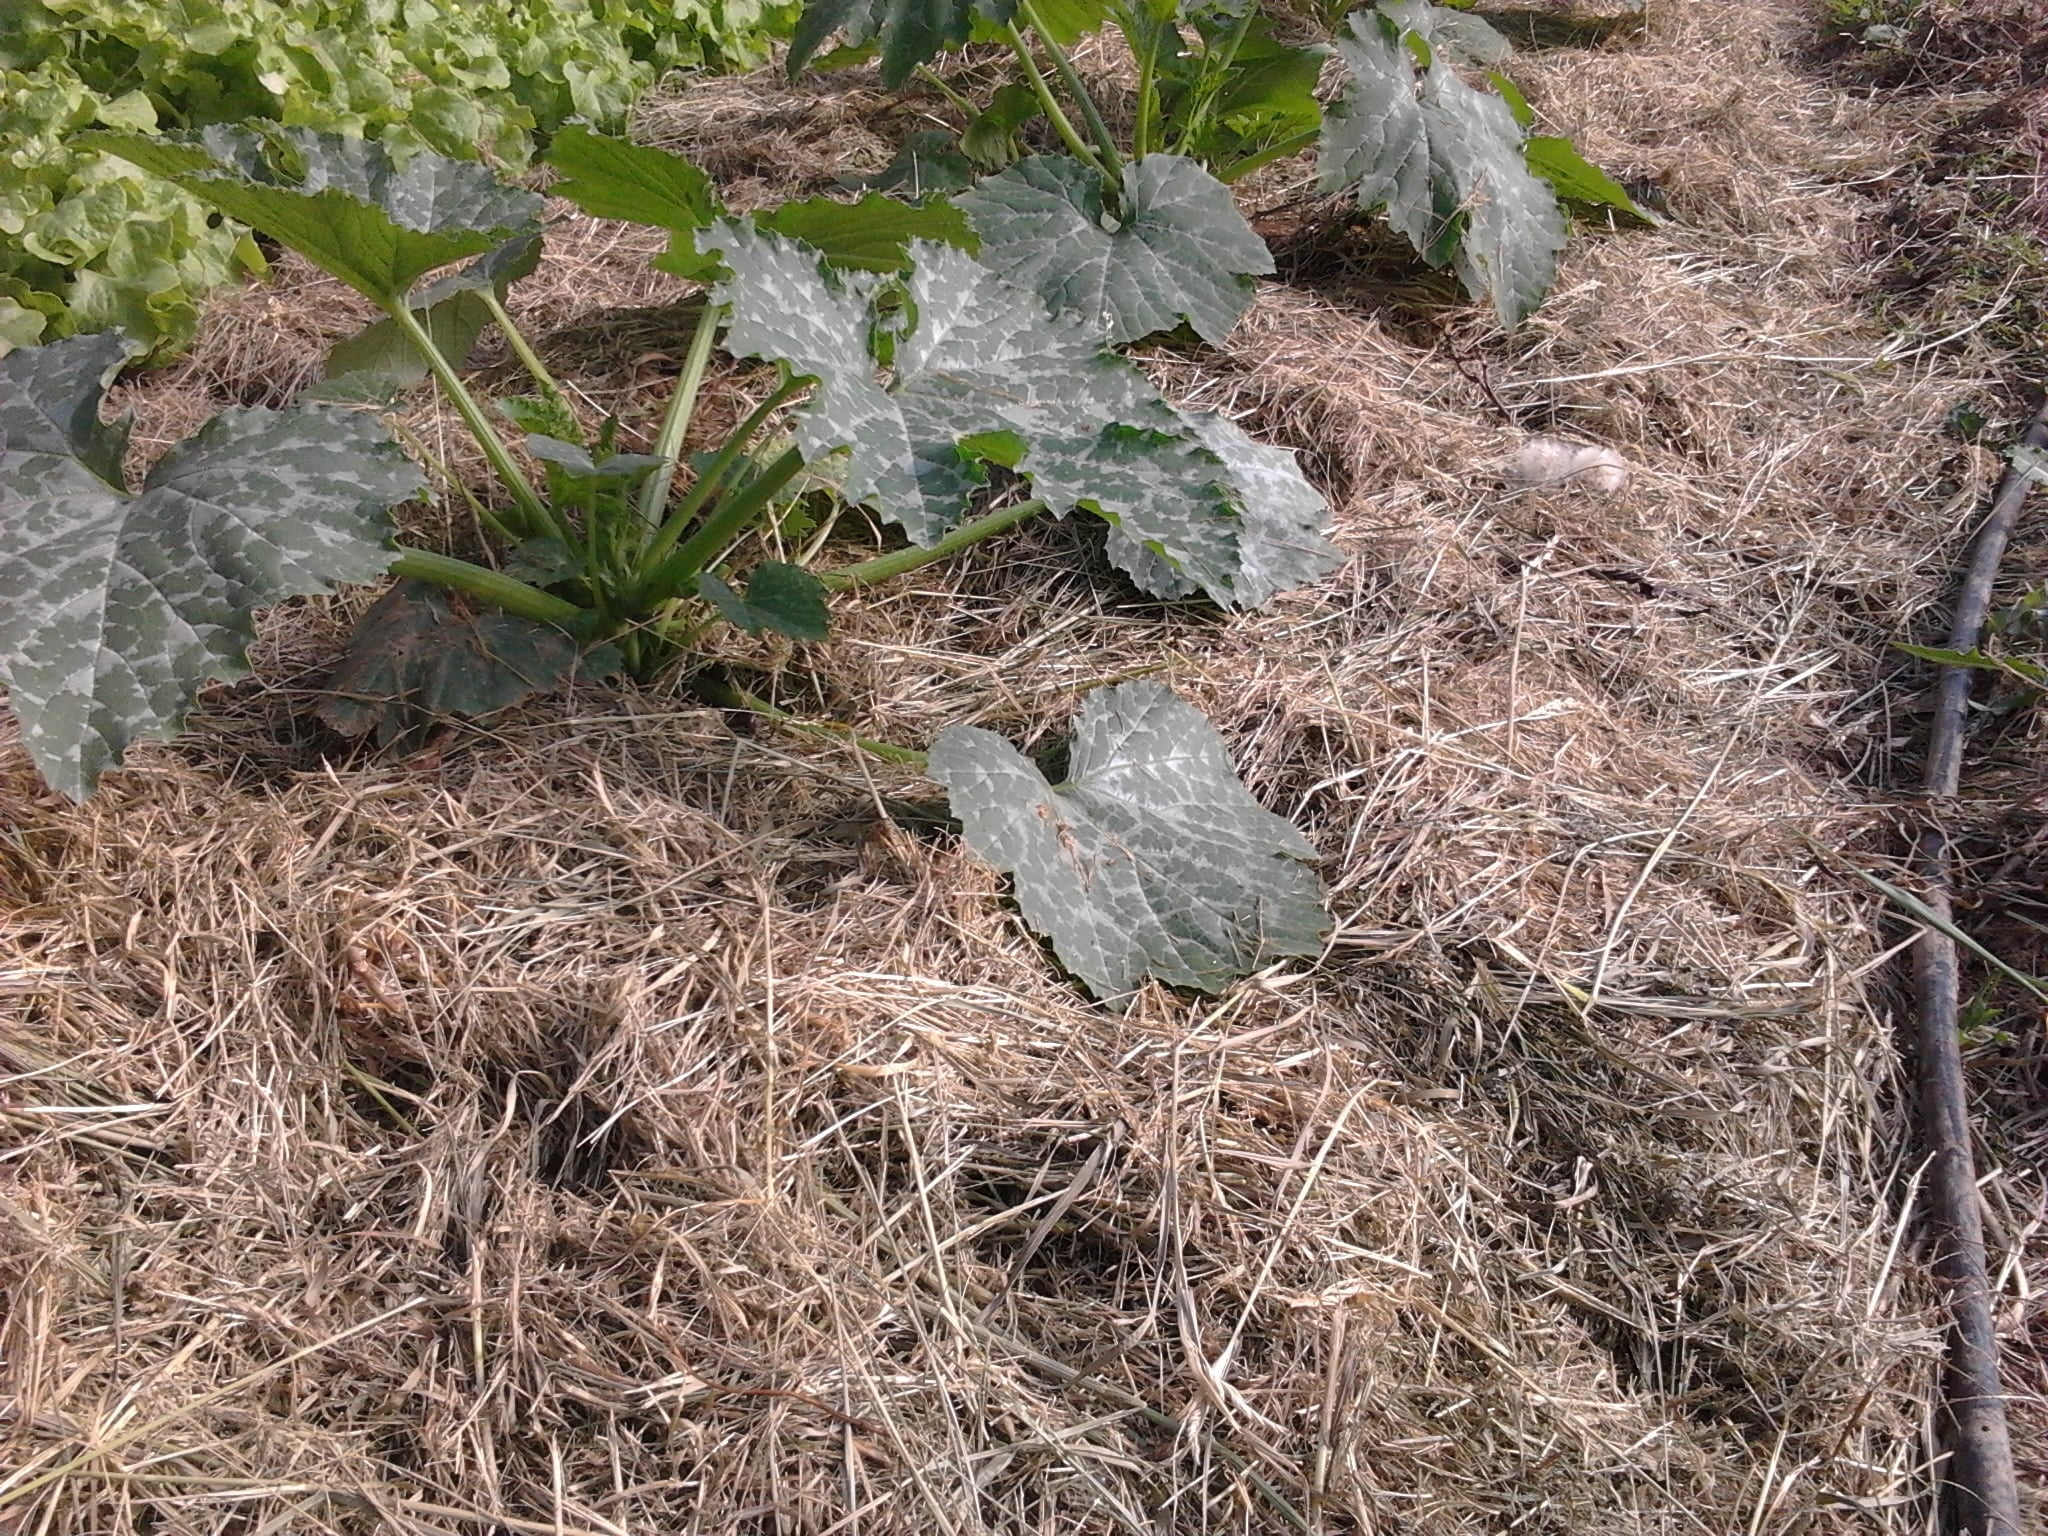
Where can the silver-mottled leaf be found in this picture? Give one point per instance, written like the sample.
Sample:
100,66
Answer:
976,362
1181,251
342,203
1151,860
116,609
1445,162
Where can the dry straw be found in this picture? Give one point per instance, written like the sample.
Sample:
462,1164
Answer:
608,1122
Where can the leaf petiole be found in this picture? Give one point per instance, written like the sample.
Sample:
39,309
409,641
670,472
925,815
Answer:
1054,112
715,473
1112,160
898,562
493,587
675,423
538,516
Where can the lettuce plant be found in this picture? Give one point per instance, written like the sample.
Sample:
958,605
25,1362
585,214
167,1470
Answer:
914,381
90,243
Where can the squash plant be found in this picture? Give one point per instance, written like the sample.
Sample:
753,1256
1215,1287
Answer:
1138,234
916,382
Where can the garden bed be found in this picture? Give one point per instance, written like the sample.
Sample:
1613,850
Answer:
624,1118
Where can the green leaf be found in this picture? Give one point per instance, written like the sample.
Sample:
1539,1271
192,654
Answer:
1180,251
908,32
873,234
416,659
1445,162
785,598
990,137
1151,860
979,363
614,178
382,361
1577,180
116,609
341,203
929,164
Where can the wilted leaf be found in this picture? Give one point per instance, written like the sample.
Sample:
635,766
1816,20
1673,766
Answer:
1151,860
785,598
1179,250
982,374
116,609
416,659
907,32
1445,162
928,164
341,203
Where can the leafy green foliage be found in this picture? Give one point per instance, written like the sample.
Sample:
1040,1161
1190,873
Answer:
419,658
1443,160
1239,98
1151,859
981,374
116,608
926,166
1179,249
785,598
89,243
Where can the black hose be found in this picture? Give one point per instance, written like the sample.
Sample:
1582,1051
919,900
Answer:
1980,1491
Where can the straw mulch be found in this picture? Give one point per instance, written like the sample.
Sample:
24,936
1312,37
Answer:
623,1120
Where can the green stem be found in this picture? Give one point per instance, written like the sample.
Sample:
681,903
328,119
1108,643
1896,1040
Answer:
493,587
675,422
521,347
485,517
932,78
1112,161
731,696
1148,91
728,520
536,514
1237,170
721,463
1054,113
896,563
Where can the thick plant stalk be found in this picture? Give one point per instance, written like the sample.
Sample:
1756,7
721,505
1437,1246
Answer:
1981,1492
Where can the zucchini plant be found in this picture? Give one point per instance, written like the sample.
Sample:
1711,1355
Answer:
910,379
1138,233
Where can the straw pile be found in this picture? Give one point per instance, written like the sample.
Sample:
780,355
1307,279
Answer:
619,1120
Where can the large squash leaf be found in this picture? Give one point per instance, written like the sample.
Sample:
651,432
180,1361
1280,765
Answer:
116,609
1445,162
979,371
907,33
1178,249
342,203
1151,860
